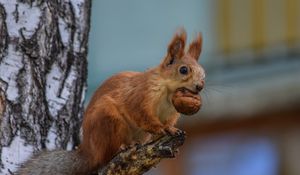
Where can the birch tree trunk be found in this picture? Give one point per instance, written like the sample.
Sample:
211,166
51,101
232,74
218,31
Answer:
43,69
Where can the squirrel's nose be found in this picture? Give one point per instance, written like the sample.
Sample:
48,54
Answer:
200,86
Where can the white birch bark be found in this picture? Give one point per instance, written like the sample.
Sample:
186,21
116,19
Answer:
43,69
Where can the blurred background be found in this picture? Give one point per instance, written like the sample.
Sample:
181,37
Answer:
250,121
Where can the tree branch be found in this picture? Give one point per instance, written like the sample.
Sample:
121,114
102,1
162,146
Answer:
139,159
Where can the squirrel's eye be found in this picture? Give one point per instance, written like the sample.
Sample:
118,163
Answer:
184,70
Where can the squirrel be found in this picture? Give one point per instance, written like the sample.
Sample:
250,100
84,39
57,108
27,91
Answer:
127,108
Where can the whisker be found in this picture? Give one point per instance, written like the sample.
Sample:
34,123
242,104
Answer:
206,99
208,89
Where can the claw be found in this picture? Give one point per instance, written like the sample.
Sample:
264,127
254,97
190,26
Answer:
174,131
179,132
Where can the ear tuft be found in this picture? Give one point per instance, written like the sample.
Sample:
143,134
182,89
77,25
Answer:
176,46
196,47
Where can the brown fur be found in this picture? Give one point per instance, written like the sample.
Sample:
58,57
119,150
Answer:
130,106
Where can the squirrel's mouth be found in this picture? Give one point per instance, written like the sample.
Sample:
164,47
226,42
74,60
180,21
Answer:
184,89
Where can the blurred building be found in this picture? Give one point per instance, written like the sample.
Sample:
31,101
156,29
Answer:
250,121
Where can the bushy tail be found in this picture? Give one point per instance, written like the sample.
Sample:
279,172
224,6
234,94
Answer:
58,162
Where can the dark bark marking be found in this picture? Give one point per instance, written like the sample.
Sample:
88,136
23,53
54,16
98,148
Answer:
30,46
3,33
2,104
16,13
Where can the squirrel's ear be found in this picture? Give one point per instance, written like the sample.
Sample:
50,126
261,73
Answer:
196,47
176,47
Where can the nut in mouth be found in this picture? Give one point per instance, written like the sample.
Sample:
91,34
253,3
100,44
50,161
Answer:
186,101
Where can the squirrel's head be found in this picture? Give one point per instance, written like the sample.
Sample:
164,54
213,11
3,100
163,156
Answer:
180,68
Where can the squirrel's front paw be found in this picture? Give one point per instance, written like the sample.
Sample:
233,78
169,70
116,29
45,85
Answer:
157,130
160,131
173,131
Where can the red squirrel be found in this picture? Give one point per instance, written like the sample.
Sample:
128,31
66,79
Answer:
126,109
